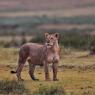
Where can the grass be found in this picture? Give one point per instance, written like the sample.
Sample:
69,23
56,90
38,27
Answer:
8,56
71,81
12,88
53,90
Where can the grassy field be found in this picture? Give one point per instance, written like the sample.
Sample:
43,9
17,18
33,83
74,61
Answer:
78,80
74,20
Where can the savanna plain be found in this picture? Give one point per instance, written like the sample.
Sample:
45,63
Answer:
24,21
76,73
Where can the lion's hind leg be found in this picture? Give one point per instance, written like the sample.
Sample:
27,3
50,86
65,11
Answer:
22,59
31,70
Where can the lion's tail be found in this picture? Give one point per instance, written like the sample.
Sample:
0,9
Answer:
13,72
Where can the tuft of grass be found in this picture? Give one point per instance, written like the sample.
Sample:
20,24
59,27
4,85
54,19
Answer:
53,90
13,88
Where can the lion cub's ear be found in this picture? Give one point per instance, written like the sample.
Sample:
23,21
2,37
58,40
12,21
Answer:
46,34
56,35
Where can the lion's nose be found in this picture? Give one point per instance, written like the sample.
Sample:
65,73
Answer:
48,41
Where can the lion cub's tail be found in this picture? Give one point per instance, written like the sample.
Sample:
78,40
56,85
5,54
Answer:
13,72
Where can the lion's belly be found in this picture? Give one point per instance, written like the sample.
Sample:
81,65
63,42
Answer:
36,61
38,55
36,58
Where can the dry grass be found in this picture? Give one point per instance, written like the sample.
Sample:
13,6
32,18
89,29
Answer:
8,56
17,38
74,81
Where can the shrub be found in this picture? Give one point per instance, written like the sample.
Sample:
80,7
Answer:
38,38
53,90
72,39
13,88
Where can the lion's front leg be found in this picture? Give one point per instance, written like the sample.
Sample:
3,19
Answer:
46,69
55,70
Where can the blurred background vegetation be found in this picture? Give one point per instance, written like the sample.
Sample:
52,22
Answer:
75,32
26,21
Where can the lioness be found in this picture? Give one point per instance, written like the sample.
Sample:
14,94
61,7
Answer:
37,54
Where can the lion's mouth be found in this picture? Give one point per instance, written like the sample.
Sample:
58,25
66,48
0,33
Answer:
49,44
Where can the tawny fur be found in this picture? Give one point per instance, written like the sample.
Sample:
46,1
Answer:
42,55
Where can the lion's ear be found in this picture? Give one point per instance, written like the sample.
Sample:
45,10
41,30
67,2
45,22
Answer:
46,34
56,35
